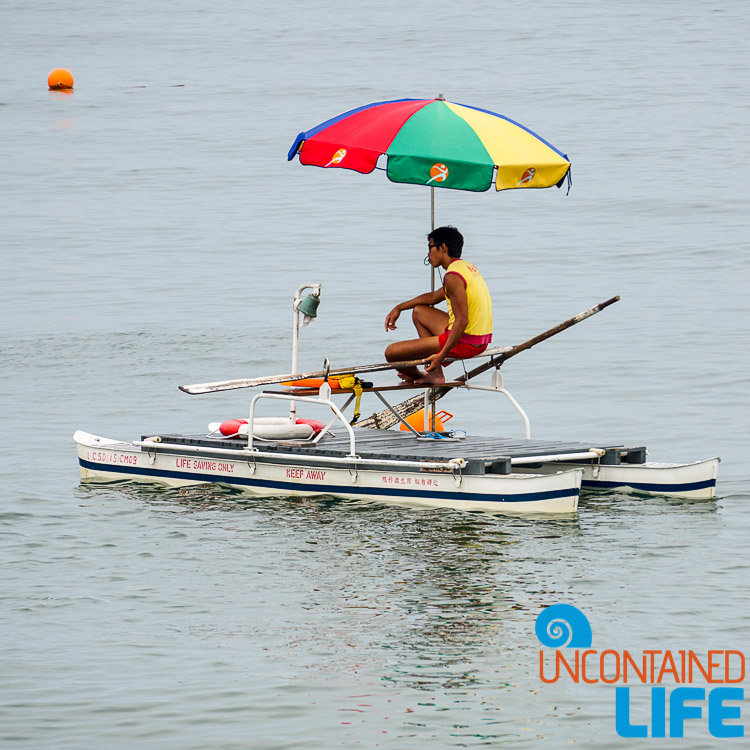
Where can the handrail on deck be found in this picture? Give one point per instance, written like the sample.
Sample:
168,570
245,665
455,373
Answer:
324,398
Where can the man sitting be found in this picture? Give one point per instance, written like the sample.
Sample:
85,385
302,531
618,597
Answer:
461,333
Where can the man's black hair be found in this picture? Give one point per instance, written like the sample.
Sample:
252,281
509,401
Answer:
449,236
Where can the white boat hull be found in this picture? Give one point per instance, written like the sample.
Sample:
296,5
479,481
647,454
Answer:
695,480
102,459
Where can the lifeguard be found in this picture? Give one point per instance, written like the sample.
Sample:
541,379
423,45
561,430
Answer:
461,333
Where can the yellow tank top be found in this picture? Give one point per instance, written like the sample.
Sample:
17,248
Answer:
479,329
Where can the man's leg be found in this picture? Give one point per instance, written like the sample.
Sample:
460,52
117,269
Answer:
403,351
430,323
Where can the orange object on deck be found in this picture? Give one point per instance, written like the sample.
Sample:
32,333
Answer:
308,383
417,420
312,383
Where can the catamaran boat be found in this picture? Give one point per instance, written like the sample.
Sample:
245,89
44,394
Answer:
365,460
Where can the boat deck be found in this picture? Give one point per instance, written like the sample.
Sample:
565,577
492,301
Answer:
483,454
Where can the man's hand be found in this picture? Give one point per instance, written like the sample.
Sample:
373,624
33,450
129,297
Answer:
433,362
433,370
391,318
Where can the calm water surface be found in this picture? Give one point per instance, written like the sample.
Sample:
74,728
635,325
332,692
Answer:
153,234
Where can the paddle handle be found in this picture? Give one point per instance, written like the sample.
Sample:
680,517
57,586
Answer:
500,358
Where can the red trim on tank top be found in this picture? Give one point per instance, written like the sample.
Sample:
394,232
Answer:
466,283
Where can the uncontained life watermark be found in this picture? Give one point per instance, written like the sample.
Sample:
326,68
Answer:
668,675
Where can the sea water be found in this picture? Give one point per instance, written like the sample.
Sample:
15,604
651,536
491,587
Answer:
154,234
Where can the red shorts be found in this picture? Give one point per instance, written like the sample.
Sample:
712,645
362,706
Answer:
461,350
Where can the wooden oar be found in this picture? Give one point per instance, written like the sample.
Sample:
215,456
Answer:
382,420
496,356
228,385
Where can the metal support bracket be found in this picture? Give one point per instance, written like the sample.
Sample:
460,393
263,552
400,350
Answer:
497,387
396,414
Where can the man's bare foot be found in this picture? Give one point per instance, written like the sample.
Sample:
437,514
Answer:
406,377
431,377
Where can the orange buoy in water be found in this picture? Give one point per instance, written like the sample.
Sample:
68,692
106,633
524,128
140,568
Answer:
60,78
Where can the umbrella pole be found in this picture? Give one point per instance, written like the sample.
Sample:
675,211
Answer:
432,222
429,394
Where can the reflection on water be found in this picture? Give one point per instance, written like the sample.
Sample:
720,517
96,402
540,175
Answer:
640,502
425,589
405,624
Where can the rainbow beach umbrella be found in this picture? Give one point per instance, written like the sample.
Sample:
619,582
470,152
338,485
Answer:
437,143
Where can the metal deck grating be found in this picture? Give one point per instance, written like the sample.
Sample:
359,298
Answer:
391,444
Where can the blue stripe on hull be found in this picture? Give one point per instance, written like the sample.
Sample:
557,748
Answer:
333,489
650,486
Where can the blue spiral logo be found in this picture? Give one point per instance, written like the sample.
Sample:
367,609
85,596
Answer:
563,626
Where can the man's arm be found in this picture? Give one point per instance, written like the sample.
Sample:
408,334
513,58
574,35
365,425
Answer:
460,305
428,298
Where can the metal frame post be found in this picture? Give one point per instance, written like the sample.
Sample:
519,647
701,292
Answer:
295,336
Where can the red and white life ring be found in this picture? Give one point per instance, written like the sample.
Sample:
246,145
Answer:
269,428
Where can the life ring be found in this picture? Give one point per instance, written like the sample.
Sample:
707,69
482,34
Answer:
317,426
268,428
